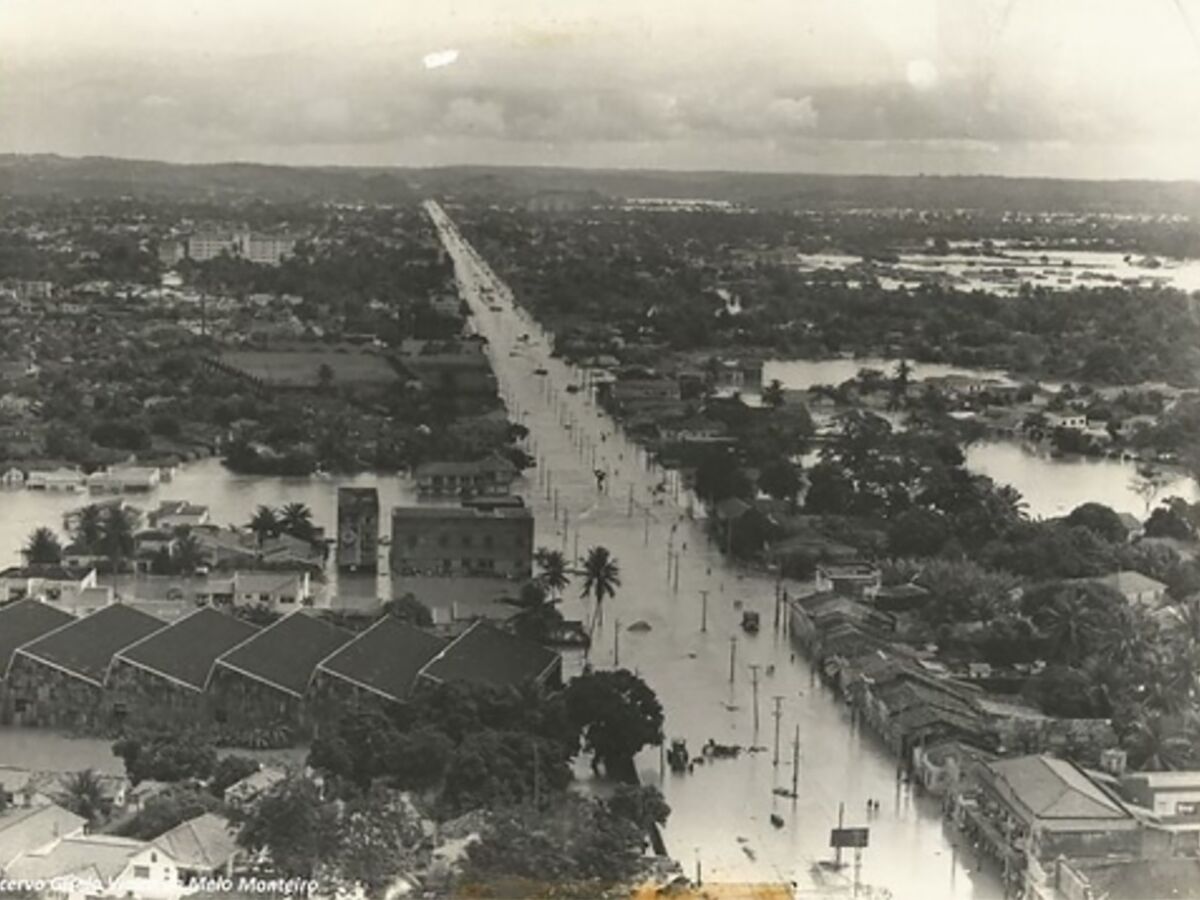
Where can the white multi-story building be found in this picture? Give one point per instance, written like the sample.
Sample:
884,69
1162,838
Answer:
266,249
203,246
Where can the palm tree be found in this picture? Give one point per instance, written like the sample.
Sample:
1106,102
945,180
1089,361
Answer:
1158,742
43,548
772,394
537,612
601,578
554,570
89,528
188,555
296,519
83,794
116,535
265,523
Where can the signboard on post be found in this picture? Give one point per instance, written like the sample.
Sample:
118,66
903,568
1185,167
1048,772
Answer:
849,837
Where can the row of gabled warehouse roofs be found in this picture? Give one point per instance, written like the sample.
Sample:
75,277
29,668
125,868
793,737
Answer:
119,664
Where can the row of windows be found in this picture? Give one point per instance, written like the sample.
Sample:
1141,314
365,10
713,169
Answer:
487,542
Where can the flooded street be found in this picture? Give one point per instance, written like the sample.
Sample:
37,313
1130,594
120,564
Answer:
721,813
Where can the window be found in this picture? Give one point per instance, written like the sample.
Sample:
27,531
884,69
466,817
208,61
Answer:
287,598
443,540
1187,809
488,542
412,540
141,871
20,705
467,541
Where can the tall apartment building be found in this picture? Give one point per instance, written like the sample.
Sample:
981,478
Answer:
488,541
264,249
358,529
204,246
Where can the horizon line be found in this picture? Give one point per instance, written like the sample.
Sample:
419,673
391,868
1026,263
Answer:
599,169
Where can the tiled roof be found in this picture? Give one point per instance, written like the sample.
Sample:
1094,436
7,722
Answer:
206,842
484,654
185,652
25,621
1053,788
103,856
385,658
285,654
86,647
48,572
25,829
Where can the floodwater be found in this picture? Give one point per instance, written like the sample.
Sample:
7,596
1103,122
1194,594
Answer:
1051,486
1004,272
721,812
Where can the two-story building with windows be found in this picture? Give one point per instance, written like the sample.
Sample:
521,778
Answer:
496,542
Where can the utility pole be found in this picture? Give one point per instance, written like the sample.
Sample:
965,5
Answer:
841,821
537,780
617,643
732,657
796,764
646,537
778,698
754,667
556,503
703,611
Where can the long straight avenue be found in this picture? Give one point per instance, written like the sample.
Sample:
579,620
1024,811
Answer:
695,656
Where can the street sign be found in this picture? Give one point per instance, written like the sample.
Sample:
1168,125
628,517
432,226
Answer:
849,837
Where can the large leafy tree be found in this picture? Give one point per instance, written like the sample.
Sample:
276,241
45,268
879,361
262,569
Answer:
165,756
295,826
1158,742
43,548
616,712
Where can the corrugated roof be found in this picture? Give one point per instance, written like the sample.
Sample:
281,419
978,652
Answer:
385,658
25,621
85,647
285,654
484,654
186,651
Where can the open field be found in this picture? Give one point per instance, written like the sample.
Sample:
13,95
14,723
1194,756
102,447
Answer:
302,368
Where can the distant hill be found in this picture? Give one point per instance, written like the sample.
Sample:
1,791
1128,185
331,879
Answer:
48,175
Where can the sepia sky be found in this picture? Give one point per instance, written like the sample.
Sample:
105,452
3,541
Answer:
1082,88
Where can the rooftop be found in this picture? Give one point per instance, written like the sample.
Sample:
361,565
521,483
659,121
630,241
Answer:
385,658
47,572
25,829
1052,788
285,654
103,856
1131,582
206,842
185,652
25,621
484,654
84,648
472,467
458,512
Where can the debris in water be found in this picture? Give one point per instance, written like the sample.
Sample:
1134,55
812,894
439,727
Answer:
640,625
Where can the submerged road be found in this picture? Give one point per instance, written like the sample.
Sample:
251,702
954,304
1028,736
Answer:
721,813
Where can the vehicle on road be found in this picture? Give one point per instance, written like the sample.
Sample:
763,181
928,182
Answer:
677,756
540,371
750,622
